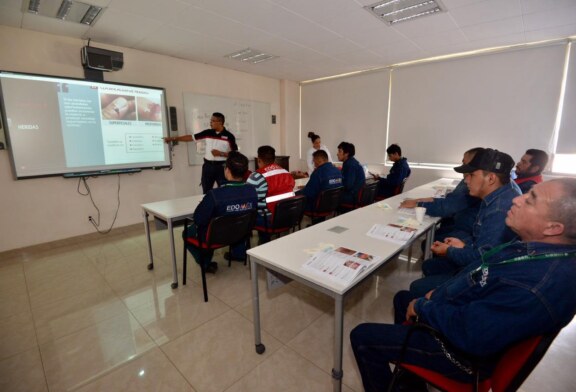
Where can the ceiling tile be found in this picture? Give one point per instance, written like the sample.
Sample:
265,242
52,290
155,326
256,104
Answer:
53,26
531,6
10,17
121,28
425,25
553,17
485,11
159,10
440,40
494,29
552,33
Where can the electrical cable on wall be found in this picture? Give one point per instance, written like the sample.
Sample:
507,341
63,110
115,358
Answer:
96,222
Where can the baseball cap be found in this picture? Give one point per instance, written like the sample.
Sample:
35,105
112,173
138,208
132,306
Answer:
489,160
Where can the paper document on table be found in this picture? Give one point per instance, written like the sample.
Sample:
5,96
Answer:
341,264
392,232
440,192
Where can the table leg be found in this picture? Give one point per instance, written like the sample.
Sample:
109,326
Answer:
260,348
147,231
429,242
337,372
173,253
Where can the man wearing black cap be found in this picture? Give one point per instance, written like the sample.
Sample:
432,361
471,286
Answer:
487,176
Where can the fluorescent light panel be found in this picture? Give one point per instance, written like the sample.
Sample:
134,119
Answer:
249,55
395,11
68,10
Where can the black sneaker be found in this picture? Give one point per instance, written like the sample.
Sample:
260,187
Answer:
228,256
212,268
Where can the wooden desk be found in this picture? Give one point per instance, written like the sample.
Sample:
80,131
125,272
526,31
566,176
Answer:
287,255
169,211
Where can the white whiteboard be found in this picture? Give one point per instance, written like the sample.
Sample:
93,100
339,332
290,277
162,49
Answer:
249,121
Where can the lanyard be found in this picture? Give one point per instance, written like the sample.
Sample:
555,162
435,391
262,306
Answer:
484,267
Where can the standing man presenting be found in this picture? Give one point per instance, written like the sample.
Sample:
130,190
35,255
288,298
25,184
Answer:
219,142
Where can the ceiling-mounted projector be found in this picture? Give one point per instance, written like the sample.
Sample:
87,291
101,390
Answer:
101,59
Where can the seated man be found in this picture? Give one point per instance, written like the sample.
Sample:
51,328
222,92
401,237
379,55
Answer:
458,209
529,169
269,180
217,202
488,178
387,187
353,177
325,176
519,290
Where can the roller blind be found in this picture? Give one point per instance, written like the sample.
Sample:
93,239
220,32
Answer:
505,100
352,109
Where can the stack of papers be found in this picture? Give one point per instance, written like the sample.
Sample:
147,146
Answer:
392,232
341,264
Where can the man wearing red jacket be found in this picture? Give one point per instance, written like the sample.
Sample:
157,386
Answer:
529,169
269,180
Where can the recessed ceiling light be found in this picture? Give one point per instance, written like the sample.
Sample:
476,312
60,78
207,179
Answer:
249,55
68,10
395,11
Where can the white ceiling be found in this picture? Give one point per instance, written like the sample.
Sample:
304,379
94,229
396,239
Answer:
312,38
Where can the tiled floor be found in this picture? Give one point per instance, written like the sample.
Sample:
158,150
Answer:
89,316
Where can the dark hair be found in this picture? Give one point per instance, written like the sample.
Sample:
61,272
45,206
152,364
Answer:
313,136
394,149
563,207
347,148
237,163
538,158
267,154
320,154
219,116
504,178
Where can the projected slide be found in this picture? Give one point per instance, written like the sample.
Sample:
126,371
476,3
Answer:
61,125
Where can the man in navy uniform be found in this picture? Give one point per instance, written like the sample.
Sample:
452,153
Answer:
233,197
515,291
325,176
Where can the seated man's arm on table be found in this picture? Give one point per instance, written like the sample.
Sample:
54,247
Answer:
454,202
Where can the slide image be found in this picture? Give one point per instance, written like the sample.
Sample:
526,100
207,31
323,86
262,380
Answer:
118,107
149,109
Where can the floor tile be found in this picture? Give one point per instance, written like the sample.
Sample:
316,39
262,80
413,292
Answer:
288,372
218,353
23,373
287,311
150,372
18,335
63,317
73,360
173,315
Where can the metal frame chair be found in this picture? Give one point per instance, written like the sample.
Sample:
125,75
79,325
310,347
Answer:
326,204
512,369
366,196
398,190
225,230
288,214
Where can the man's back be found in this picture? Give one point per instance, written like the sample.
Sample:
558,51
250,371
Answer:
324,177
271,180
231,198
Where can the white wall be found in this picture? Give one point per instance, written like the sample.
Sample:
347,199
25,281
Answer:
35,211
